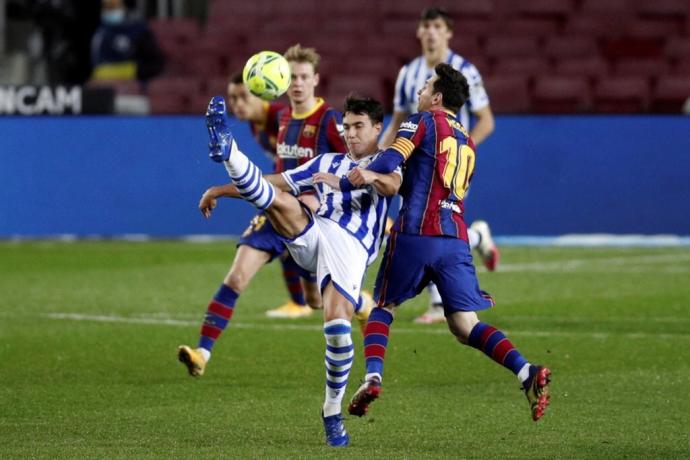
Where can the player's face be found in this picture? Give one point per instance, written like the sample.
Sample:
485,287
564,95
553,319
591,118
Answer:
304,80
361,134
242,103
427,97
434,34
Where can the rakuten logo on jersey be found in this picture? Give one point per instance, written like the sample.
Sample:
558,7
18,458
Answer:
294,151
408,126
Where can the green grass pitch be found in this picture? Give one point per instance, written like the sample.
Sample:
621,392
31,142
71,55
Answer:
89,331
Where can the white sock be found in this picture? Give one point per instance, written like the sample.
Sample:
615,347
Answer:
248,179
340,353
205,353
474,238
371,376
523,374
434,295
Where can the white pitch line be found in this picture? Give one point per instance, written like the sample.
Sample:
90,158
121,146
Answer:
318,328
575,264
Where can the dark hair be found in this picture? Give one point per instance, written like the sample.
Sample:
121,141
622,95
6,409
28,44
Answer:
435,12
236,78
452,84
360,105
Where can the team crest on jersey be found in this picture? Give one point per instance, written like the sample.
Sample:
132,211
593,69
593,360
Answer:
408,126
309,131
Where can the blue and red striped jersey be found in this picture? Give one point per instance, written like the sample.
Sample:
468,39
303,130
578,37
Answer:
440,162
302,137
266,132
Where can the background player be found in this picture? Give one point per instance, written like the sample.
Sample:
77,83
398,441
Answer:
337,242
305,129
263,121
429,240
434,32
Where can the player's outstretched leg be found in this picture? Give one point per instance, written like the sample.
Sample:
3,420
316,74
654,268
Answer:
488,251
375,344
223,149
534,379
218,314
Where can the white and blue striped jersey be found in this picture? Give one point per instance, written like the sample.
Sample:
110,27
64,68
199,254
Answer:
412,76
362,212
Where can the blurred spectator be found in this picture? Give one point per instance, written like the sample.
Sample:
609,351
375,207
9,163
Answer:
124,47
66,27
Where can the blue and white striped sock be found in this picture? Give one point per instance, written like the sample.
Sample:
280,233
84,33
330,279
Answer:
248,179
340,353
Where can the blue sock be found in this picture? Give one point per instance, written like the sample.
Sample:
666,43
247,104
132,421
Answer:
496,346
218,314
376,340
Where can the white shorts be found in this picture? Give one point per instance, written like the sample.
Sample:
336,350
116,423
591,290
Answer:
330,251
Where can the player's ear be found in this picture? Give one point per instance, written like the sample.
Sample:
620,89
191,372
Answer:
316,79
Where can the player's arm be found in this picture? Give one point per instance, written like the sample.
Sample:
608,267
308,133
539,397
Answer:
479,105
389,134
208,201
485,125
384,184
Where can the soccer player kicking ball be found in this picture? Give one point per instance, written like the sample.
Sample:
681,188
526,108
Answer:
429,239
337,242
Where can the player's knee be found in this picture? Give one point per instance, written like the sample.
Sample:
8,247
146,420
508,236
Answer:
461,325
313,298
237,280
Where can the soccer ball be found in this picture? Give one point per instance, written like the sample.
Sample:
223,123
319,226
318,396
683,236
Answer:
267,75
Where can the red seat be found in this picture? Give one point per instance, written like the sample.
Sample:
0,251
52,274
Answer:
551,8
621,95
501,45
595,25
591,67
651,29
556,94
527,66
678,48
463,9
531,27
607,7
564,47
341,85
641,67
670,94
508,94
630,47
665,8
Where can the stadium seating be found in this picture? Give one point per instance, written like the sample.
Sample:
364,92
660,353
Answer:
670,93
532,48
621,95
508,93
561,94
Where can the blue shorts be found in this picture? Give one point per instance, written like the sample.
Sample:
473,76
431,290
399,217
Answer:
262,236
412,261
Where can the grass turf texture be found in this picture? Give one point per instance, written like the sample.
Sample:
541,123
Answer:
613,325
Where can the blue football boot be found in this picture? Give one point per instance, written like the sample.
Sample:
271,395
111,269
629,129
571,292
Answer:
220,136
336,436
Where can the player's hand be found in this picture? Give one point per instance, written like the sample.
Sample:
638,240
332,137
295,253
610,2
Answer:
207,203
359,177
329,179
